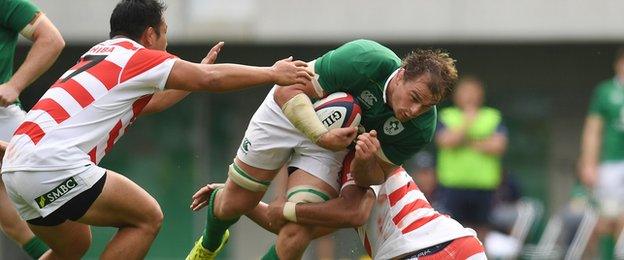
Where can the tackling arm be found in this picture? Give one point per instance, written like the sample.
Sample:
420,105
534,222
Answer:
47,45
351,209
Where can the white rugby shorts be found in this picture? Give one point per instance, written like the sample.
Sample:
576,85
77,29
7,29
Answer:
271,141
39,193
608,190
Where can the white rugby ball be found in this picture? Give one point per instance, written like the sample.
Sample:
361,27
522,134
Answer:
338,110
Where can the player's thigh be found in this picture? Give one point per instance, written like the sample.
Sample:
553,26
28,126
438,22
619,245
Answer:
303,186
69,240
269,139
10,118
12,224
122,203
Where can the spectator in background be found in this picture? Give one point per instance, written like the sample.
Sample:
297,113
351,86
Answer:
471,140
601,164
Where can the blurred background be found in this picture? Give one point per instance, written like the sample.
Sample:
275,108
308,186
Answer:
539,61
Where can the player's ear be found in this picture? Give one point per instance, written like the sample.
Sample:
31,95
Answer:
149,37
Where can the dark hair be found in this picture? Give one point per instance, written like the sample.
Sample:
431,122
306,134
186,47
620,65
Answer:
130,18
438,64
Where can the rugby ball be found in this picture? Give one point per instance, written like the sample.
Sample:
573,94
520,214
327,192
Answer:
338,110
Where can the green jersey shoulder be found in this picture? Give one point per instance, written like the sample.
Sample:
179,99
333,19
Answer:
14,16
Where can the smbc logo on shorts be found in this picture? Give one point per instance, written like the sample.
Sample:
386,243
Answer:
56,193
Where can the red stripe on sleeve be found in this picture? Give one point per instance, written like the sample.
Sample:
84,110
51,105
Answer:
139,105
142,61
411,207
398,194
92,154
54,109
419,223
112,136
32,130
106,72
77,91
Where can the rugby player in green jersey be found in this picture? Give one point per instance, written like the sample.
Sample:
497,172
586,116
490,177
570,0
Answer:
601,164
398,101
21,17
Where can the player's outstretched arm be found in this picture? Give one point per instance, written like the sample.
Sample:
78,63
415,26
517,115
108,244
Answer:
47,45
228,77
165,99
259,215
351,209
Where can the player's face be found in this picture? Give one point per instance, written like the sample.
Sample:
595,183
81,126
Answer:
412,98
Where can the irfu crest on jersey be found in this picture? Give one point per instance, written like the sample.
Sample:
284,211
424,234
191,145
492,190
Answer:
393,126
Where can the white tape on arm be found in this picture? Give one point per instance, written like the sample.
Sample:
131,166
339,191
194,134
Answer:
290,211
29,30
300,112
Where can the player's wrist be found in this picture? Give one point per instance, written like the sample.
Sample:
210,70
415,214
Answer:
290,211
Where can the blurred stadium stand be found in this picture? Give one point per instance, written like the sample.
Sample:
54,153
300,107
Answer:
540,60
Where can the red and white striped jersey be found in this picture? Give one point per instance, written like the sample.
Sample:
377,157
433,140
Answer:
79,119
402,220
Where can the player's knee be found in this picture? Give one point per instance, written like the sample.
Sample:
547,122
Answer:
227,207
293,236
153,219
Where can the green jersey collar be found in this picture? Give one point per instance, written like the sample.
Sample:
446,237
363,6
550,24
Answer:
385,89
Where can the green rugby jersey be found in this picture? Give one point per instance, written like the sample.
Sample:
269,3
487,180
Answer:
14,16
362,69
608,103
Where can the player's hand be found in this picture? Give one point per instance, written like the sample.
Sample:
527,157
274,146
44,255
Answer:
367,146
276,212
288,72
337,139
202,196
8,95
588,175
211,57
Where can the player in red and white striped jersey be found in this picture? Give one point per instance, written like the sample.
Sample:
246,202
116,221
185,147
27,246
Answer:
393,220
403,224
50,167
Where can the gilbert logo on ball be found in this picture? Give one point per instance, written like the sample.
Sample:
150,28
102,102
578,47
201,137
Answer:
338,110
